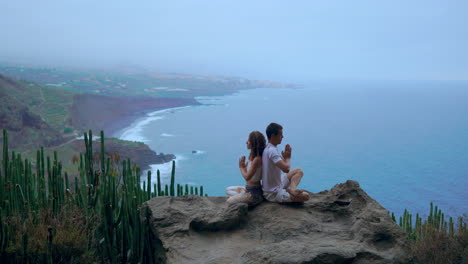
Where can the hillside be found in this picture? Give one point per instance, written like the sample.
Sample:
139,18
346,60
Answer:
37,116
51,107
99,112
52,104
139,83
23,113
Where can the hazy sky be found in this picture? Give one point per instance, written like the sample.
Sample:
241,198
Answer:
279,40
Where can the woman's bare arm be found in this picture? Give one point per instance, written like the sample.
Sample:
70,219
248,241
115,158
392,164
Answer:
256,163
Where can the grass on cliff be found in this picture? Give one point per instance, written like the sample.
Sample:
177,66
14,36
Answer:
67,229
441,248
52,104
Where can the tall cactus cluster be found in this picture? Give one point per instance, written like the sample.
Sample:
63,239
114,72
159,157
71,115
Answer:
435,223
109,194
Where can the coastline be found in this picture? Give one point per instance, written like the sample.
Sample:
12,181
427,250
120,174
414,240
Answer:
115,113
132,126
131,131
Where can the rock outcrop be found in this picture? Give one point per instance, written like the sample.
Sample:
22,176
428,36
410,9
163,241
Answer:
341,225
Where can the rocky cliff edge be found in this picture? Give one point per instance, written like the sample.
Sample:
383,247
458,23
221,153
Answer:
341,225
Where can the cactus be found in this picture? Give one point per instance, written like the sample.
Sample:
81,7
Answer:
148,197
451,230
109,194
435,223
25,246
172,178
103,169
5,154
431,214
4,233
49,258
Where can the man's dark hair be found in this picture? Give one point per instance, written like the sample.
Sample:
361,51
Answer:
273,129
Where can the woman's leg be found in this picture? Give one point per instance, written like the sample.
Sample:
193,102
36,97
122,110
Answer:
235,190
241,198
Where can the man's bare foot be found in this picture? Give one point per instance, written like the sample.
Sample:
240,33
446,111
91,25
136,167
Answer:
294,192
302,197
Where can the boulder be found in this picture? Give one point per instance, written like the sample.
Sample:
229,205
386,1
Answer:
341,225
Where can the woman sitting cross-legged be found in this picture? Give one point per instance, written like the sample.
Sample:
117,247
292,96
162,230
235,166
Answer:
252,173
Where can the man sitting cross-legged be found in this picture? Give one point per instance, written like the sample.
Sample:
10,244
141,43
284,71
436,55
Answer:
278,187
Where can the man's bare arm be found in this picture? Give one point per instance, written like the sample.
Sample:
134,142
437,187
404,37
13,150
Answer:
284,165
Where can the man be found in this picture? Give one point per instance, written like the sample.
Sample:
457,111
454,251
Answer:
279,187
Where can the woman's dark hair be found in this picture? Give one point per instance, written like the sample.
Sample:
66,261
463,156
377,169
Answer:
273,129
257,144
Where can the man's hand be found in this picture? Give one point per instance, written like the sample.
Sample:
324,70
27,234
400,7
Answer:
287,152
242,164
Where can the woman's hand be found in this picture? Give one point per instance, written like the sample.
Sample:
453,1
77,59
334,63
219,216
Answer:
242,164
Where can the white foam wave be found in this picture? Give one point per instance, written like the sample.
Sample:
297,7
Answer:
198,152
180,157
167,135
165,171
95,138
169,110
133,133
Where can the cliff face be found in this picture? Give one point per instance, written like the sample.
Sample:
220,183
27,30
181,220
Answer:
99,112
341,225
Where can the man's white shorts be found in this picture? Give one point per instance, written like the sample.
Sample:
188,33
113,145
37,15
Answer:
280,196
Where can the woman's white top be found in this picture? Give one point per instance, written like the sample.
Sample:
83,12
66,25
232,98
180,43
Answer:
258,174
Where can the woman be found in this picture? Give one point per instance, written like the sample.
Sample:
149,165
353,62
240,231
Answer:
252,173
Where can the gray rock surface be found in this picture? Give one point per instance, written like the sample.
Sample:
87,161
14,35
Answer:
341,225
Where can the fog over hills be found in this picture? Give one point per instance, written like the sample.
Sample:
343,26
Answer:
270,40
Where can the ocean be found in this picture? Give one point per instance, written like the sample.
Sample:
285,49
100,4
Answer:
405,142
